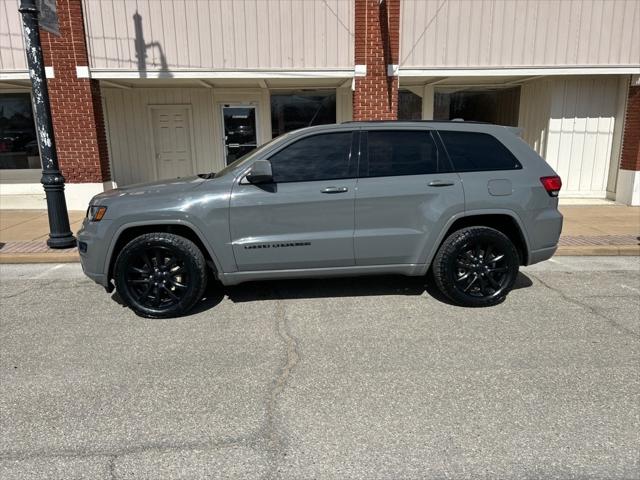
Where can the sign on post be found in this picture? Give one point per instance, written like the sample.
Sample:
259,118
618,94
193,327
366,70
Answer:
48,16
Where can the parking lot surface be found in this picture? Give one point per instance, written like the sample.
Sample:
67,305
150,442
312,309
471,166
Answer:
371,378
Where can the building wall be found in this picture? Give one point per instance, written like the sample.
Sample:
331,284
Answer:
501,33
130,136
167,35
570,121
12,56
534,113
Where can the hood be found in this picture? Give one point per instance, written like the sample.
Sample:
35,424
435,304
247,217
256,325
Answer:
162,187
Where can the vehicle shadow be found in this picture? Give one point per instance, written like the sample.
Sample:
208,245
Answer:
343,287
323,288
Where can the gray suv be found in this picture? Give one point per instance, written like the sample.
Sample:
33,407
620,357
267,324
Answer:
465,202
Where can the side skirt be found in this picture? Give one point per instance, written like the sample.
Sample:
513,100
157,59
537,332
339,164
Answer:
411,270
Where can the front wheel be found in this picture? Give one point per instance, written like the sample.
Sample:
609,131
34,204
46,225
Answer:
476,267
160,275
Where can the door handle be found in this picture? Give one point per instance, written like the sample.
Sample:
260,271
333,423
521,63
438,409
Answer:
440,183
334,190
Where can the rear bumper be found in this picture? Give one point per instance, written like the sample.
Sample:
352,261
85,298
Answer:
536,256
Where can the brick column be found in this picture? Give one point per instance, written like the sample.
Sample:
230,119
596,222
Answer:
628,188
377,27
76,103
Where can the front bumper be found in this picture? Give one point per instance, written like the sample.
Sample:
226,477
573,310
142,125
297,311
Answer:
92,248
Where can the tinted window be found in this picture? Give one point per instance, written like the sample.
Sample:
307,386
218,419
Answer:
472,152
321,157
400,153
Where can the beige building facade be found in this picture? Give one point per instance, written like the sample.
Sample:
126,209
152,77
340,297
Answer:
186,87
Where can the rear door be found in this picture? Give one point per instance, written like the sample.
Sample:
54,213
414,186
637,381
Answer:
406,194
305,219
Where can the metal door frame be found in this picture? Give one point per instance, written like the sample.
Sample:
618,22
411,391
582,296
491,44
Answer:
222,106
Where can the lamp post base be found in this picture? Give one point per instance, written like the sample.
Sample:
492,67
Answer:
60,235
67,241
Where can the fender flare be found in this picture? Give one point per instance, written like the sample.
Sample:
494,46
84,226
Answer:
429,253
147,223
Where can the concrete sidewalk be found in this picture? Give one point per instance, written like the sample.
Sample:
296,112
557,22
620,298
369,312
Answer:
588,230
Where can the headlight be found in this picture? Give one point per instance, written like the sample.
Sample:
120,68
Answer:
95,213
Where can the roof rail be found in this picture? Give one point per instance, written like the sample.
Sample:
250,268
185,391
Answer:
456,120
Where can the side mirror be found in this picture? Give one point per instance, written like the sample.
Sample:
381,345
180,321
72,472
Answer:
260,172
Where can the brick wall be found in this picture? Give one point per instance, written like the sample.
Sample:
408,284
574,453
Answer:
76,104
377,27
630,157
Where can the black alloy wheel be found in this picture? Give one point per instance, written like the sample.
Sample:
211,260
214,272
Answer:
476,266
481,270
160,275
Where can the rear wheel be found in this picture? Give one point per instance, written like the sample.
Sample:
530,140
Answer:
476,266
160,275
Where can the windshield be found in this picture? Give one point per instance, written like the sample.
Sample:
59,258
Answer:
245,158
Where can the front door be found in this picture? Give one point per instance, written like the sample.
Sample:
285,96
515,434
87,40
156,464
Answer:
240,135
172,141
406,194
305,218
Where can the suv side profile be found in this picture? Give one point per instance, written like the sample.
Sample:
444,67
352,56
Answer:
467,202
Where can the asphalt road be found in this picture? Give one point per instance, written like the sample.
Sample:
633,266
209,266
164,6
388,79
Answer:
354,378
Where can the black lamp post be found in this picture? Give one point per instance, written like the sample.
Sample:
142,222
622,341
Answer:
60,235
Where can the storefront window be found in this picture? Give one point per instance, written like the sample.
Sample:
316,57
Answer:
293,110
18,142
409,105
499,106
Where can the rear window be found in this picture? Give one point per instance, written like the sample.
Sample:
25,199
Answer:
397,152
473,152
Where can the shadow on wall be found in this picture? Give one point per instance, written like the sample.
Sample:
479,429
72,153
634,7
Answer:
141,51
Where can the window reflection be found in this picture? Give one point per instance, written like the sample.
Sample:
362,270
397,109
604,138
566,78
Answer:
294,110
18,141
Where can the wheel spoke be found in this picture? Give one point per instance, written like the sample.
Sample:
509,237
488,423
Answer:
497,258
171,294
159,258
147,261
178,284
156,293
483,284
498,269
493,282
488,252
463,277
142,271
139,280
470,283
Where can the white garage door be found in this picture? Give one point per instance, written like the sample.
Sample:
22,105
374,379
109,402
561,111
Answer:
580,133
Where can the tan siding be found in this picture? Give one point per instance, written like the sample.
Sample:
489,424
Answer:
519,33
220,34
12,56
129,128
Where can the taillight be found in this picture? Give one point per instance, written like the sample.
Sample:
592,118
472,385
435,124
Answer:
552,185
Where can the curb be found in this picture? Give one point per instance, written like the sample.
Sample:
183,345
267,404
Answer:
6,258
563,251
599,250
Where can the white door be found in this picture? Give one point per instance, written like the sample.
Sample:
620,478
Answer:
172,142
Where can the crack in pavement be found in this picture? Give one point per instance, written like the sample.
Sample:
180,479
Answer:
274,438
593,310
268,438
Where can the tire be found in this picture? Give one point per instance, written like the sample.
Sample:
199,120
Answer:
160,275
469,277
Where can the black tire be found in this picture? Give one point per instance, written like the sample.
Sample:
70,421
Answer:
476,267
160,275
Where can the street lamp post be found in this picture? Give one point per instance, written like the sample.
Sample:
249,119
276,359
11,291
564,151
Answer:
60,235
